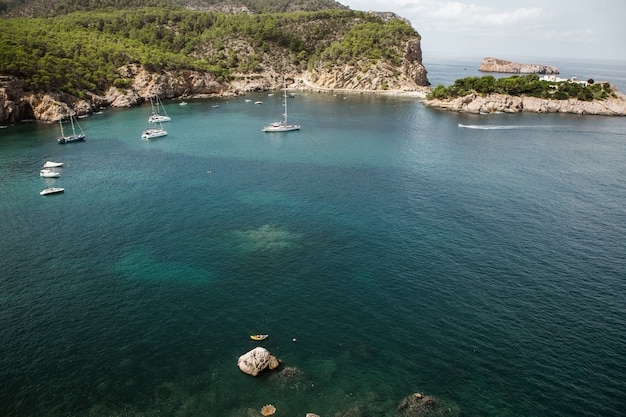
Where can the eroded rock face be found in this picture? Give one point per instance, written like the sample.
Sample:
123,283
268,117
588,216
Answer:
502,103
257,360
412,66
17,105
380,76
499,65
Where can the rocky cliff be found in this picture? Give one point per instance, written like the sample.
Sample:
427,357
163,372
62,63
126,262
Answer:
16,104
502,103
498,65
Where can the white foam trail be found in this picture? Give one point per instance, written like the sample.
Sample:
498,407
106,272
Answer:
500,127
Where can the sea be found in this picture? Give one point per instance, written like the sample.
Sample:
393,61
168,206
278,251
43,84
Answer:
386,248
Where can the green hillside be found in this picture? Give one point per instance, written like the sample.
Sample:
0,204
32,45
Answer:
81,51
42,8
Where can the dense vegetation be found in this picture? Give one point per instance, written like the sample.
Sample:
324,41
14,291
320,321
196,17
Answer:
526,85
41,8
82,51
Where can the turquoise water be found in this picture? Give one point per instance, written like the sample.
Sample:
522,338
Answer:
484,265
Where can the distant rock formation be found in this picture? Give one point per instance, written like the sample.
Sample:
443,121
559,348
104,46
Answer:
503,103
498,65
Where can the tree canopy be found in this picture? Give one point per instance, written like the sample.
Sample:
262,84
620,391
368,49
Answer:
526,85
81,51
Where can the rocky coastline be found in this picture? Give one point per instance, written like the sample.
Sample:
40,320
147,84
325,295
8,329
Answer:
503,103
18,104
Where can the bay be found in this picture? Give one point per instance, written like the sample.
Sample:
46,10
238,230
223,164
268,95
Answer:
483,265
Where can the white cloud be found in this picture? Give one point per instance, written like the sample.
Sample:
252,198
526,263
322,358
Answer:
534,27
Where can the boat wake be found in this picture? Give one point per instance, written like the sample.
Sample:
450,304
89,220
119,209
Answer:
554,128
502,127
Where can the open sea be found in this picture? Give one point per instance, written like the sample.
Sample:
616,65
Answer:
385,249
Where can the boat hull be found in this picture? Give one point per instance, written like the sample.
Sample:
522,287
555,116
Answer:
153,133
280,128
52,190
156,118
45,173
51,164
70,139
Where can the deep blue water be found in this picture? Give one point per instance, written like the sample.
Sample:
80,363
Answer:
484,265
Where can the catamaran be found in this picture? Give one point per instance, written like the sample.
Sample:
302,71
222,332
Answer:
153,131
157,107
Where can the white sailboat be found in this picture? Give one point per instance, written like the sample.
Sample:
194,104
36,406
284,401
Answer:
157,107
74,137
155,128
282,126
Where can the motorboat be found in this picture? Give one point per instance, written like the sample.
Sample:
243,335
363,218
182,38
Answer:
51,164
258,337
47,173
51,190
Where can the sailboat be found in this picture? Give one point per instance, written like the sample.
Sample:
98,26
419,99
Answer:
155,128
157,106
282,126
74,137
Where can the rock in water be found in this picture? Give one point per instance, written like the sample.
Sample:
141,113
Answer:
256,361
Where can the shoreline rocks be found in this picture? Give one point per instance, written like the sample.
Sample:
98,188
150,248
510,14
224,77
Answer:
490,64
502,103
17,104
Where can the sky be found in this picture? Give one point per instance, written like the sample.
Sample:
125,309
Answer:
513,30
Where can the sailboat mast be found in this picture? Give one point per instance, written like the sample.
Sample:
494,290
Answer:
61,124
285,99
72,122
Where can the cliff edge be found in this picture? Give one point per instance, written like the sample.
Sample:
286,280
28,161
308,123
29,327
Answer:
503,103
325,51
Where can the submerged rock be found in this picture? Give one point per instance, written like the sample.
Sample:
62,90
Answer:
420,405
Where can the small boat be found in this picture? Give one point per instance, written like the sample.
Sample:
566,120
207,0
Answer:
47,173
248,100
51,164
74,137
51,190
258,102
259,336
282,126
182,103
